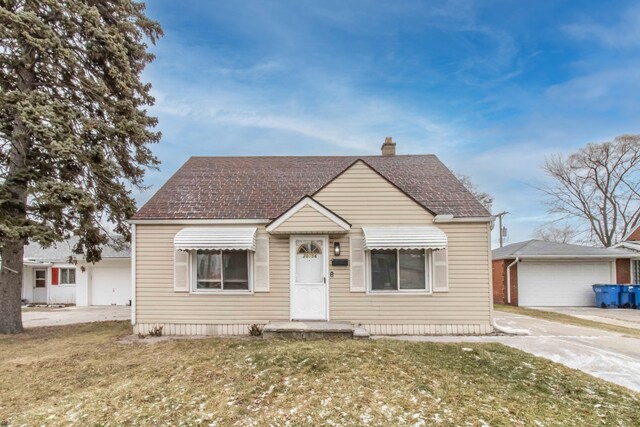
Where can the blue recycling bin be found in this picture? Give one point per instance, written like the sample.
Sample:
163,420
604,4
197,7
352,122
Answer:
636,291
627,296
607,295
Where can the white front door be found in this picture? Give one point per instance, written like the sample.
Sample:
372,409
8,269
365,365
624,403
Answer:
309,264
40,285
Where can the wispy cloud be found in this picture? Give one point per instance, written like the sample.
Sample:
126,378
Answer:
490,87
600,89
345,120
622,33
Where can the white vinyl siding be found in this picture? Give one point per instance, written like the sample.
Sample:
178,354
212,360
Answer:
560,284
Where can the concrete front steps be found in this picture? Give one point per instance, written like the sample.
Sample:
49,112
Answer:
313,330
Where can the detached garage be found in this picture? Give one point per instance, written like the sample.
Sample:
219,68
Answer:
50,276
535,273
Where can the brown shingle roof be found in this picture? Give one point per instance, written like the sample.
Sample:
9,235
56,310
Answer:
264,187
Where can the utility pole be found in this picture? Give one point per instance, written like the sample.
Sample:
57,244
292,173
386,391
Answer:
501,229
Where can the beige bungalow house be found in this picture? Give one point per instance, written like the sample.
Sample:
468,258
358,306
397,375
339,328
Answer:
392,243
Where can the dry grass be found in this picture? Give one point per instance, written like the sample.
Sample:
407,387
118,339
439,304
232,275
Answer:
568,319
80,374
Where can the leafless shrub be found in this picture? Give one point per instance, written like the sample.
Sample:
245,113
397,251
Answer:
156,331
255,330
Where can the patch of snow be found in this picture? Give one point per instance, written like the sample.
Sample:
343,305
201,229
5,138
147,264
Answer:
511,331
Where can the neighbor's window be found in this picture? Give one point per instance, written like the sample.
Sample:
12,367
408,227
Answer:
399,270
222,270
67,276
636,272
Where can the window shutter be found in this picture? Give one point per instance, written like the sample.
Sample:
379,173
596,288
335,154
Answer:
55,273
358,273
440,271
180,271
261,265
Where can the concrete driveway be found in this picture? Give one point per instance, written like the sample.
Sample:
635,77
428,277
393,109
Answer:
614,316
607,355
34,317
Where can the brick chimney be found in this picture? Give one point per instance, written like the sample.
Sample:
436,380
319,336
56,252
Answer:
389,147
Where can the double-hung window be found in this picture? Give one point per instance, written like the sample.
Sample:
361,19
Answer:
635,271
67,276
399,270
221,270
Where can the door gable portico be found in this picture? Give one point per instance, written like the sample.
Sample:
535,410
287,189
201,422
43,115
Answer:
308,217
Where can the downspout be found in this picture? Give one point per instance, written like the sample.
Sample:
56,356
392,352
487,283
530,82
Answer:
509,279
133,274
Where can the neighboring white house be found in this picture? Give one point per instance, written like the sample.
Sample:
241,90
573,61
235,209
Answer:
546,274
50,278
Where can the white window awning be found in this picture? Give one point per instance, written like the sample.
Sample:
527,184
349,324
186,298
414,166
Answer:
425,237
221,238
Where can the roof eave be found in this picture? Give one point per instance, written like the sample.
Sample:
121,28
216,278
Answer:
563,257
450,218
212,221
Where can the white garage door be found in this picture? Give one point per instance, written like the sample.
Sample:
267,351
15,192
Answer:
110,286
560,284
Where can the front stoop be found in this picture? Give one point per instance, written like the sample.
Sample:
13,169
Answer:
312,330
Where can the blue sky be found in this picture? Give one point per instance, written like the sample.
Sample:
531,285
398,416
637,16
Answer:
491,87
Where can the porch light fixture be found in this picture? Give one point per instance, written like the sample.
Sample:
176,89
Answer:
336,249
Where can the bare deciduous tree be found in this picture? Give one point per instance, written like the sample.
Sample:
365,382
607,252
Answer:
598,187
565,233
485,199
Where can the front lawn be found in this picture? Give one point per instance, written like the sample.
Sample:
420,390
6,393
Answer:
80,374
